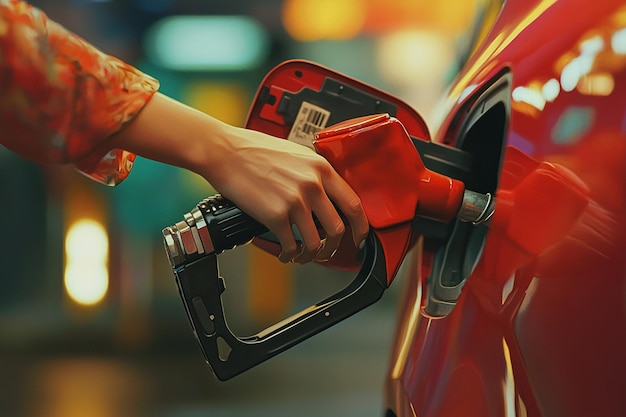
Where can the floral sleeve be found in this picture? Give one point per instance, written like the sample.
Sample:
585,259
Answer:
61,98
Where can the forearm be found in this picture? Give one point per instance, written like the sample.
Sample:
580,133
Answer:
276,181
173,133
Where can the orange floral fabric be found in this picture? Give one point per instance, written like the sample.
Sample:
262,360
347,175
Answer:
61,98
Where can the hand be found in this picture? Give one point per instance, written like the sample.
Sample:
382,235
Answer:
277,182
281,183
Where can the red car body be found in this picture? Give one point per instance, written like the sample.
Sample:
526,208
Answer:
538,326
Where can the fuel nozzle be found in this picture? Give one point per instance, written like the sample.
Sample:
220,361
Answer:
377,158
216,224
375,155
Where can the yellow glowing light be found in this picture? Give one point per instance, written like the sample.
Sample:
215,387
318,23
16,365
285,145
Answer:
225,101
310,20
509,382
600,84
408,56
501,41
86,269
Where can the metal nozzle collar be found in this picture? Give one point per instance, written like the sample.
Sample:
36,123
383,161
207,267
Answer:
476,207
187,239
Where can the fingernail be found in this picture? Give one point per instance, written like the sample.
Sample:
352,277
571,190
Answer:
362,244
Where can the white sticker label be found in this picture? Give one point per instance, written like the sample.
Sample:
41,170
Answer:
310,119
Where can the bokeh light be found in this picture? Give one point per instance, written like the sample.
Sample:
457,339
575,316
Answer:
86,269
310,20
207,43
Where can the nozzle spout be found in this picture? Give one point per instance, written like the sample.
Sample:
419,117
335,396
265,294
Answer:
476,207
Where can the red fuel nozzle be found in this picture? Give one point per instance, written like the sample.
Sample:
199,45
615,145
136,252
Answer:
376,156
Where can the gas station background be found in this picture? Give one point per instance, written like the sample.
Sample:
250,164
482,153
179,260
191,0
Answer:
84,273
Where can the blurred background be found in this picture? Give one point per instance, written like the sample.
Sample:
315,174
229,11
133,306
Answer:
91,323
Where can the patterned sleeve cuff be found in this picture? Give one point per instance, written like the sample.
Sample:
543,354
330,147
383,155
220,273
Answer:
62,98
111,169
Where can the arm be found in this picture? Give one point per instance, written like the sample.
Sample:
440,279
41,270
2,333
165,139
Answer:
62,100
277,182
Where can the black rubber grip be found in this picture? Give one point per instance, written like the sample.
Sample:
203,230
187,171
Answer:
228,226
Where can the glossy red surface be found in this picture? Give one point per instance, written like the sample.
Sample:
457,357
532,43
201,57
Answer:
395,185
294,76
540,327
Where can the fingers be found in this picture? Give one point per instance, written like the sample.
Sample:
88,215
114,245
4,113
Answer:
300,216
348,202
311,242
333,227
350,205
288,246
312,247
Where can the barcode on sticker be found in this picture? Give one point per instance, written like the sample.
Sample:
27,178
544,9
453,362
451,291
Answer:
310,119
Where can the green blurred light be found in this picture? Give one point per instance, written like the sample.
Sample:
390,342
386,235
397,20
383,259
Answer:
207,43
573,124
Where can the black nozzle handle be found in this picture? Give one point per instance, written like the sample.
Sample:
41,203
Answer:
216,224
227,354
193,246
228,226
